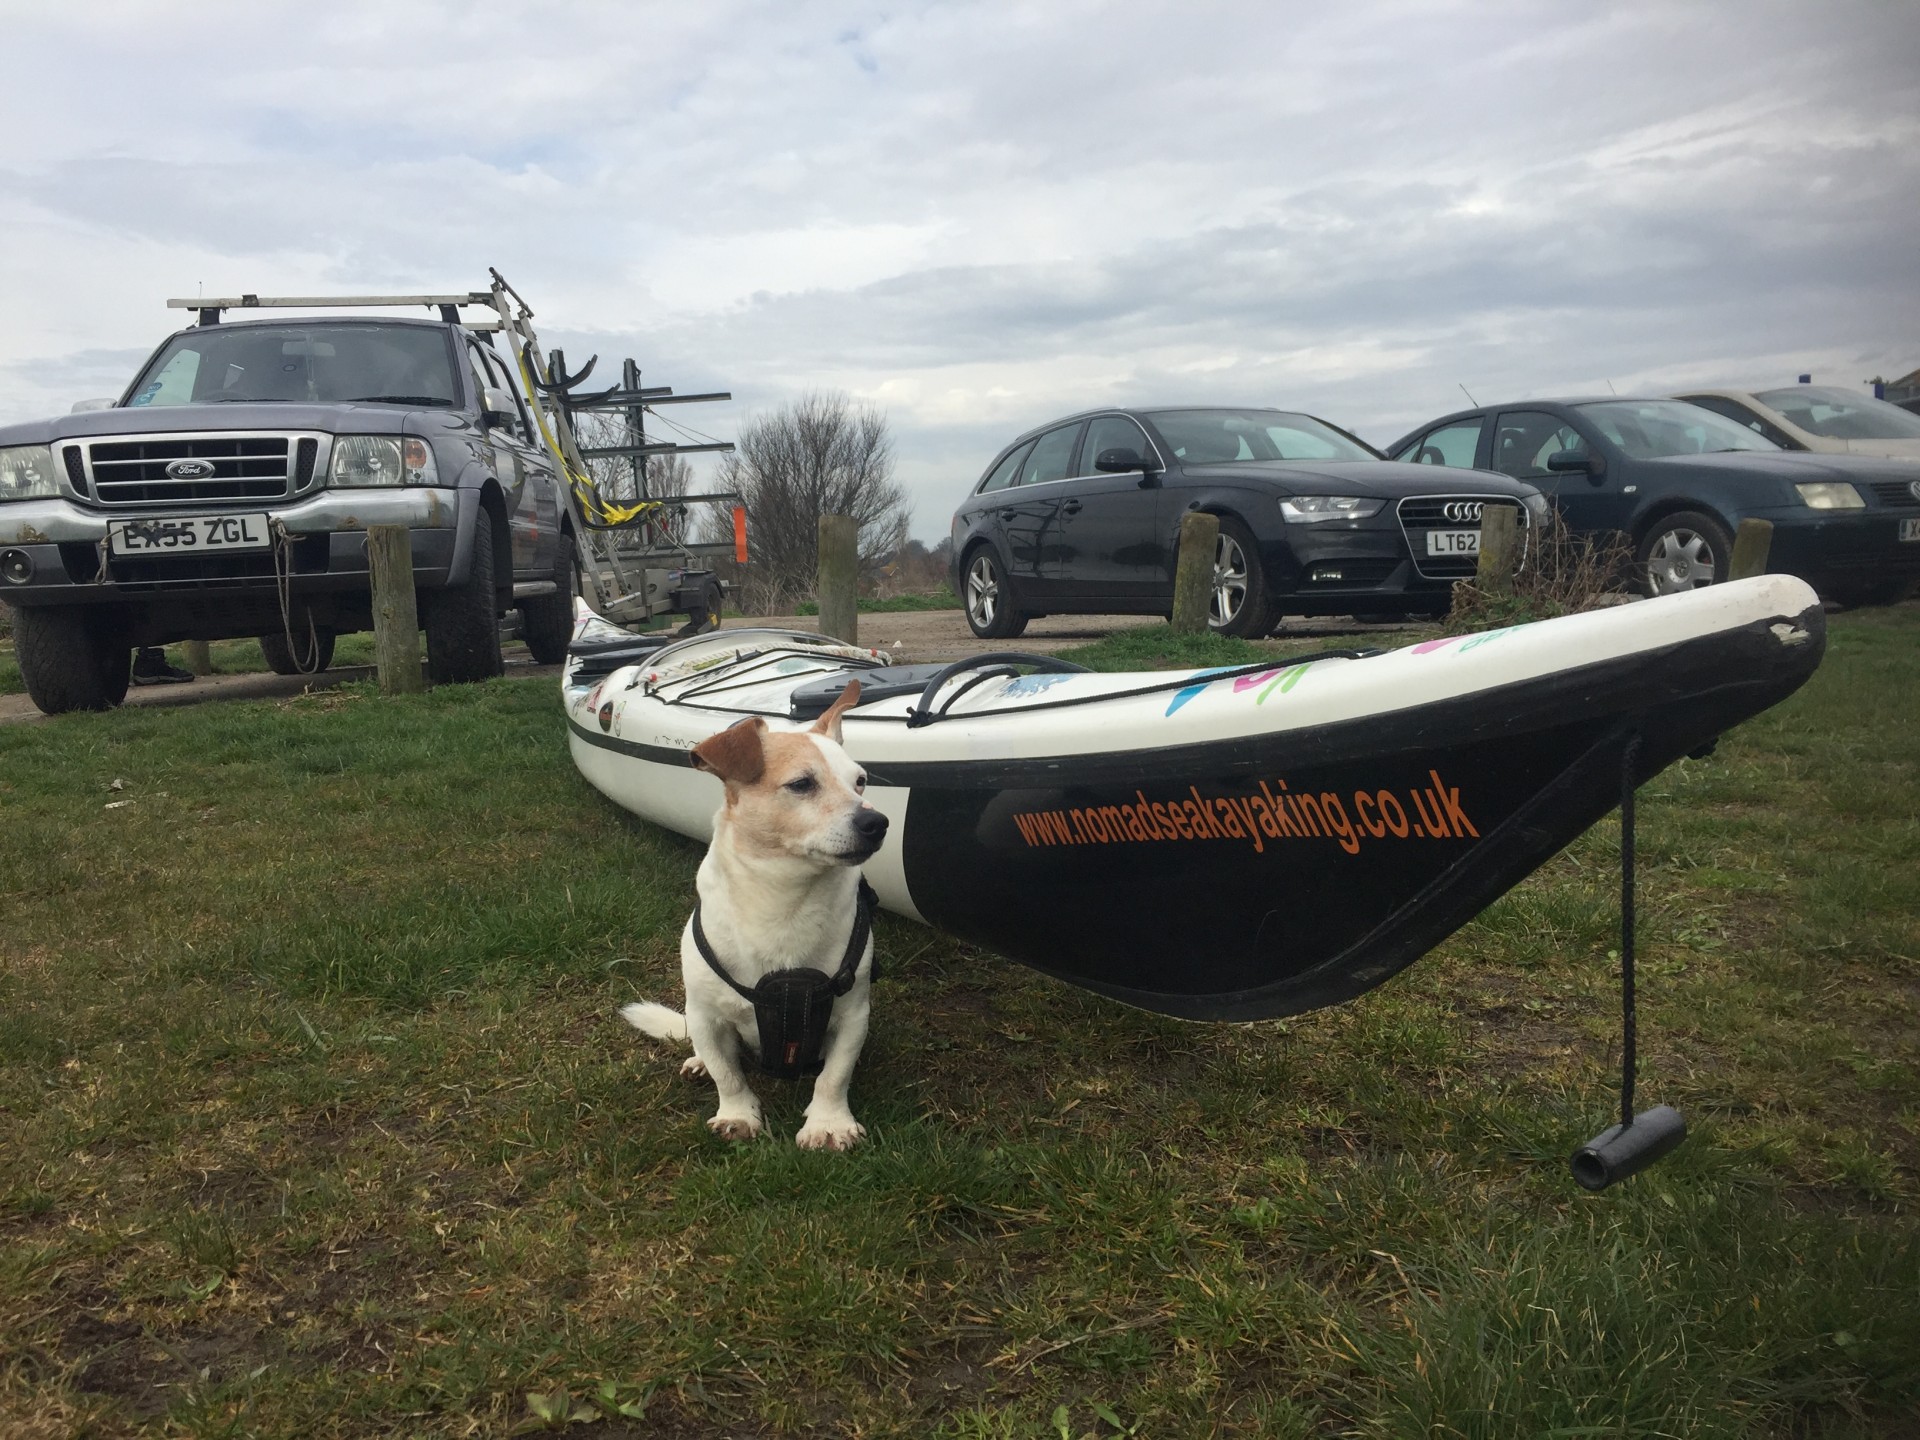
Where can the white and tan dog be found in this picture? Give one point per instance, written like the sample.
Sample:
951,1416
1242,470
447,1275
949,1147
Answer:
779,889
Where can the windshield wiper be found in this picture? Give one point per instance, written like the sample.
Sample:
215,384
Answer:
398,400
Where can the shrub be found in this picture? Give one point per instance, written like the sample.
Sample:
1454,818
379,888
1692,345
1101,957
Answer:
1561,574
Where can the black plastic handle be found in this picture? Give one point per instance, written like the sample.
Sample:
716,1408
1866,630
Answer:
994,662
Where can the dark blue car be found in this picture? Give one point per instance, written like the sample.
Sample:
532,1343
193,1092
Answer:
1676,480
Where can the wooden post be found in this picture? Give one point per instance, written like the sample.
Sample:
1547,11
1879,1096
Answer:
198,660
396,616
837,584
1193,576
1750,546
1499,549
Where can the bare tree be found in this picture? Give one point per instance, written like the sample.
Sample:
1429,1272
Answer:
823,454
667,476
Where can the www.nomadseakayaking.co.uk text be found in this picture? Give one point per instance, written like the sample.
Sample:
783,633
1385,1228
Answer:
1429,812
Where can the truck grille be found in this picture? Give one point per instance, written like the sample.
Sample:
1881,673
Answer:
1420,514
216,468
1895,492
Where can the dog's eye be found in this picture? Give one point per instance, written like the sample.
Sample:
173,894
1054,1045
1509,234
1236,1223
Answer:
804,785
859,784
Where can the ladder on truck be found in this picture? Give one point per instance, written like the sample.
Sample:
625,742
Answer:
634,557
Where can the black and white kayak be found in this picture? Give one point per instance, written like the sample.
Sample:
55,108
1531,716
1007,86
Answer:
1227,844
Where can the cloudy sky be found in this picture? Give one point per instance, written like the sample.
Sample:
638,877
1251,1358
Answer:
979,216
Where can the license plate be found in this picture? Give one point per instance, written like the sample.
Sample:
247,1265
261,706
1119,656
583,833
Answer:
188,535
1453,542
1910,529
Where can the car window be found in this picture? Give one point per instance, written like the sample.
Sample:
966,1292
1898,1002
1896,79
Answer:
496,371
1842,415
1002,474
1052,456
1112,432
1524,440
1454,445
327,363
1741,415
1651,429
1219,437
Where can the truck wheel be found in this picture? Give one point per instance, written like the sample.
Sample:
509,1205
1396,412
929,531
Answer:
546,621
463,621
71,657
306,656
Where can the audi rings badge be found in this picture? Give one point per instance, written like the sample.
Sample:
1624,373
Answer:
1463,512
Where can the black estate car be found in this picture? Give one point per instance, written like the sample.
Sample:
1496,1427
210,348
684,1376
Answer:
1082,516
1676,480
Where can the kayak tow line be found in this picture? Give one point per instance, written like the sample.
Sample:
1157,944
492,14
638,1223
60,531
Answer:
1638,1140
793,1007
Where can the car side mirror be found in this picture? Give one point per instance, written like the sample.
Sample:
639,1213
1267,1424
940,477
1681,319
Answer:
81,407
1118,461
496,407
1576,462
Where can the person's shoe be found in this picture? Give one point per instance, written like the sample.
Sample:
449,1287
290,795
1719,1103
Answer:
150,667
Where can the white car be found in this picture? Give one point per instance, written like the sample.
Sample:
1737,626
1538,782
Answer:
1819,417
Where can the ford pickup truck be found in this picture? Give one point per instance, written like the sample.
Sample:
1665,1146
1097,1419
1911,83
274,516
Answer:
228,493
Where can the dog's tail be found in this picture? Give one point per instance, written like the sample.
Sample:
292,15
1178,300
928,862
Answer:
656,1020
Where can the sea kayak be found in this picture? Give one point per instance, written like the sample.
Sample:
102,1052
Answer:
1231,844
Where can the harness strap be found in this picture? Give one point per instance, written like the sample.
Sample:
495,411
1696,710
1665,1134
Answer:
842,979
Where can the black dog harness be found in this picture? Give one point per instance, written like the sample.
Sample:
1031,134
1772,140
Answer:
794,1006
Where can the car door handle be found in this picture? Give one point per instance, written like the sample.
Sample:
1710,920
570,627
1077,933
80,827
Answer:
1072,507
1008,514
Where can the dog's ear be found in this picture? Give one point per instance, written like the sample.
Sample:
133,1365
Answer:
735,754
829,723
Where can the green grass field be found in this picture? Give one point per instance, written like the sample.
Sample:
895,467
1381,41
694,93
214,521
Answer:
316,1119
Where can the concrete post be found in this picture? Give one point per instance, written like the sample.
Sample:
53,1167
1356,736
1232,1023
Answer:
838,582
1193,576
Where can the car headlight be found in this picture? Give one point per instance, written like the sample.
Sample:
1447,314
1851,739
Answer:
1831,495
381,460
1311,509
26,472
1537,507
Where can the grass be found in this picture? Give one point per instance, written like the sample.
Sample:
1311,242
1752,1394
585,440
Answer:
941,599
316,1120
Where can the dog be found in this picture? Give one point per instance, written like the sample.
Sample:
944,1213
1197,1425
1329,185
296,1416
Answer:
780,889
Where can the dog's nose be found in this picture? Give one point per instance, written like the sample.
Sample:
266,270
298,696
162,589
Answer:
869,824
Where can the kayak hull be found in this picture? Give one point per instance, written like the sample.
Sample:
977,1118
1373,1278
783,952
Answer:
1243,876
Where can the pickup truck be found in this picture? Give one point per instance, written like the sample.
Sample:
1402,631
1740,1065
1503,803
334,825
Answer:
229,490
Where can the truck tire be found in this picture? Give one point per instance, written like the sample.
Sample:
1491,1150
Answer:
463,621
71,657
546,621
306,656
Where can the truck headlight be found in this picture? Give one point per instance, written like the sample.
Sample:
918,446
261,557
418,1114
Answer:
1831,495
1312,509
26,472
381,460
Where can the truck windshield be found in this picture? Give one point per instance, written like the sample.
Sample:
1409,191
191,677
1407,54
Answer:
311,364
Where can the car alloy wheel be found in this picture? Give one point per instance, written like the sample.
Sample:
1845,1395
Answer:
983,591
1683,554
1232,582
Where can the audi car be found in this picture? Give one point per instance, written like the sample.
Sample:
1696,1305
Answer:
1676,480
1082,516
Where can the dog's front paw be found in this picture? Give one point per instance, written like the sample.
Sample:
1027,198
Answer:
735,1127
840,1133
693,1068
